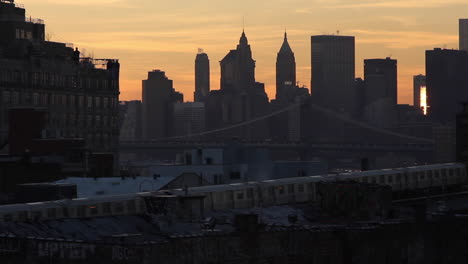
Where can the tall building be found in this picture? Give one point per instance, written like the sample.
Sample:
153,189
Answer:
241,98
380,76
189,119
285,70
333,72
131,124
158,105
447,83
202,76
463,34
419,81
80,95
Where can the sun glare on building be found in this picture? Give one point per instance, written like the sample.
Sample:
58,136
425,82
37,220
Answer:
424,99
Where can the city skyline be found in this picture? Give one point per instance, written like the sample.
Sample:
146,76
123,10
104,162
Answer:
169,40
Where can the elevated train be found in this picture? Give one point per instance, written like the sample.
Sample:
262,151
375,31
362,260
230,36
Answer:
448,177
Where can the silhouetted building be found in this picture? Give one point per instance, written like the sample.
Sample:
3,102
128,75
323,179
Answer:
241,98
189,118
462,135
80,95
463,35
131,120
419,81
158,105
380,76
447,83
202,77
333,72
285,71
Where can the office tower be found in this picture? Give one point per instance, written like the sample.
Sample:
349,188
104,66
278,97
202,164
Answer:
380,76
380,102
447,83
285,70
202,76
80,95
158,101
463,34
189,119
333,72
240,98
419,82
238,68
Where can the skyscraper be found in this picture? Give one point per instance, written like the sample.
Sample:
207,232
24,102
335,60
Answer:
418,82
158,101
380,76
202,76
447,83
333,72
285,69
463,35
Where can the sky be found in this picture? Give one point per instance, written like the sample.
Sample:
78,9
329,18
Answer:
153,34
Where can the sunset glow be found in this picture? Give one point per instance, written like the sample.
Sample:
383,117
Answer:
424,105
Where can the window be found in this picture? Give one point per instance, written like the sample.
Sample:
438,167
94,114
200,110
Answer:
291,188
235,175
118,208
51,213
106,208
6,97
240,196
90,101
81,211
93,210
390,178
8,218
97,101
280,189
301,187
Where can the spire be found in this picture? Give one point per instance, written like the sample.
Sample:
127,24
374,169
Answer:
285,48
243,40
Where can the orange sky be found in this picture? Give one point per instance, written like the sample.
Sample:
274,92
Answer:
155,34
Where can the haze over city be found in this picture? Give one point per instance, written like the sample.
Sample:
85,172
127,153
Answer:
165,35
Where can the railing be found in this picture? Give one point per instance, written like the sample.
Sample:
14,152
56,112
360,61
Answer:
34,20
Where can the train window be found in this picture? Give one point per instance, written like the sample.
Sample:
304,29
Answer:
240,196
291,188
22,216
51,213
7,218
444,172
65,212
118,207
106,208
450,171
436,174
281,189
422,176
390,178
81,211
365,179
36,215
131,206
301,187
93,210
398,177
429,174
249,193
374,180
271,190
381,179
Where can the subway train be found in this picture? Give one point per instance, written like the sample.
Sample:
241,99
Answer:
450,176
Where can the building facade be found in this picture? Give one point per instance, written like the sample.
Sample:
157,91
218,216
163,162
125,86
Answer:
285,70
131,120
333,72
159,97
447,83
463,34
80,95
419,81
202,77
189,119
